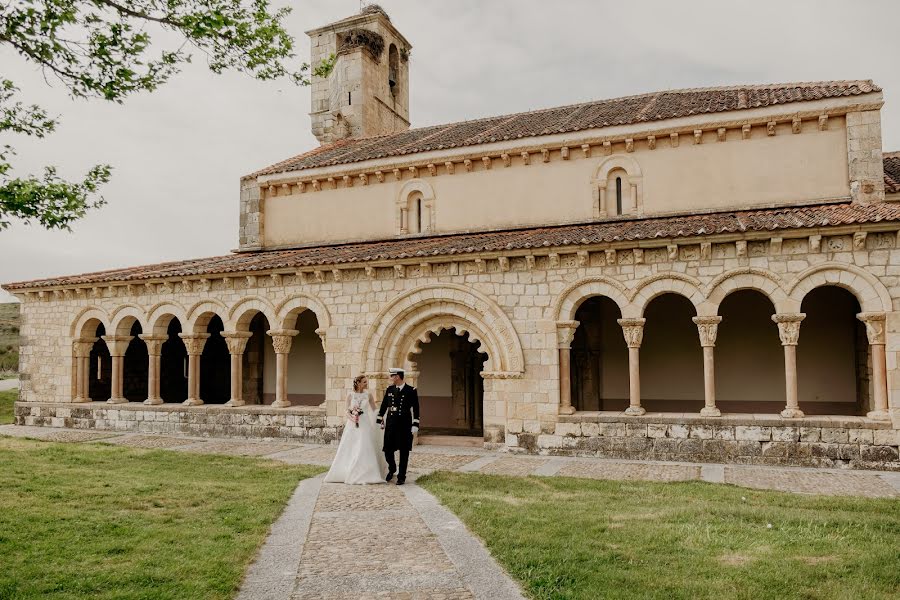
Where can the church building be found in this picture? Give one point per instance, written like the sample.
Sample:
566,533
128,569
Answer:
701,275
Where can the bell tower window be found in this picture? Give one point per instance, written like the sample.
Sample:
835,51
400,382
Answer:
394,69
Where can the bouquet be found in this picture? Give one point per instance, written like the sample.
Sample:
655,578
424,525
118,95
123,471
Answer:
355,412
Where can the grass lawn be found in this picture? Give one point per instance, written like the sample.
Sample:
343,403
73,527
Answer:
7,399
574,538
95,521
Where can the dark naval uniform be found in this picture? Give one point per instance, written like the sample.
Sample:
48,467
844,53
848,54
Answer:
400,413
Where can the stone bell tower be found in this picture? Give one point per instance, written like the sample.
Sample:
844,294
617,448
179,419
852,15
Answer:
367,91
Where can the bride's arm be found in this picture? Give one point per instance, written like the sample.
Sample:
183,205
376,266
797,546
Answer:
371,401
349,400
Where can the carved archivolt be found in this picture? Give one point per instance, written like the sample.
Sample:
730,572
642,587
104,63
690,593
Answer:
201,313
748,278
160,315
668,283
428,308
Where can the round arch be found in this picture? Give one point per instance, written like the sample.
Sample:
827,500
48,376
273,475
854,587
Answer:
200,314
668,283
573,296
760,280
412,314
160,315
90,316
869,292
292,306
242,312
617,161
124,317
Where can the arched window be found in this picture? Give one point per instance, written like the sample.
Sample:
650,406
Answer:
415,208
618,187
394,69
618,195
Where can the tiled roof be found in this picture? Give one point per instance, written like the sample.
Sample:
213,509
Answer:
644,108
634,230
891,172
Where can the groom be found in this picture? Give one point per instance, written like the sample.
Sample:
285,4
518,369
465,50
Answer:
399,423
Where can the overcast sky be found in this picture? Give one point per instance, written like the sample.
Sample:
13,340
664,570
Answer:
178,153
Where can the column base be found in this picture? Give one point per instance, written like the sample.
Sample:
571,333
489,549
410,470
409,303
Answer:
879,415
235,402
117,401
635,411
792,413
192,402
281,404
567,410
710,411
81,400
153,401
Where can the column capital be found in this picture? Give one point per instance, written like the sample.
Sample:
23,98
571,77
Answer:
194,342
788,327
117,344
874,322
708,328
565,333
321,332
236,340
633,329
282,339
83,346
154,343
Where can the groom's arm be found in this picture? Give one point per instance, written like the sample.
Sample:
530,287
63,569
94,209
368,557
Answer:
382,409
414,403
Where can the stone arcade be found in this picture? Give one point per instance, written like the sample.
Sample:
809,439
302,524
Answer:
705,274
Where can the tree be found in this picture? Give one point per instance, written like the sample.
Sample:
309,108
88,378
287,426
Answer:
105,49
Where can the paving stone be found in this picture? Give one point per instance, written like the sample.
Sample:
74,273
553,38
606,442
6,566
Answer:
432,462
629,471
513,466
151,441
811,482
236,448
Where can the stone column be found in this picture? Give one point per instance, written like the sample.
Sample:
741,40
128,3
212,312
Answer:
82,349
117,345
237,343
194,343
404,220
708,328
789,332
875,331
281,342
634,335
154,353
565,333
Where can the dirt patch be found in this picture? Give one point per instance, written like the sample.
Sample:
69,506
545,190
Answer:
735,560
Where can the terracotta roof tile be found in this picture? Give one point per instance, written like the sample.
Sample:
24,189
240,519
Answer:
495,241
566,119
892,172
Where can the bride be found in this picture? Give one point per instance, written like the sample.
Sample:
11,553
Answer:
359,458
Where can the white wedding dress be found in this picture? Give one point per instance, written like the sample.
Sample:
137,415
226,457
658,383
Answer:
359,457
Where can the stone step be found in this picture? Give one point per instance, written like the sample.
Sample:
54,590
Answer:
450,440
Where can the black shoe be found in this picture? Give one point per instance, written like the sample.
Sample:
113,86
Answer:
390,476
401,481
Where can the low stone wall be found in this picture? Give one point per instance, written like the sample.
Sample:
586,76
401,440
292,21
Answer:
302,423
853,442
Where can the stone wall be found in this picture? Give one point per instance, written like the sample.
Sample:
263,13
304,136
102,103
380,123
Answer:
374,315
300,423
833,442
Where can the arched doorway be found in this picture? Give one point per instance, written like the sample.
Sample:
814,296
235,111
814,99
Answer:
833,362
599,357
450,386
671,356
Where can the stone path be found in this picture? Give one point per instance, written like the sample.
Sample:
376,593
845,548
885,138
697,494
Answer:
384,542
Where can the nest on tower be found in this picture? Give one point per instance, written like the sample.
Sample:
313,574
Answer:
371,9
362,38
